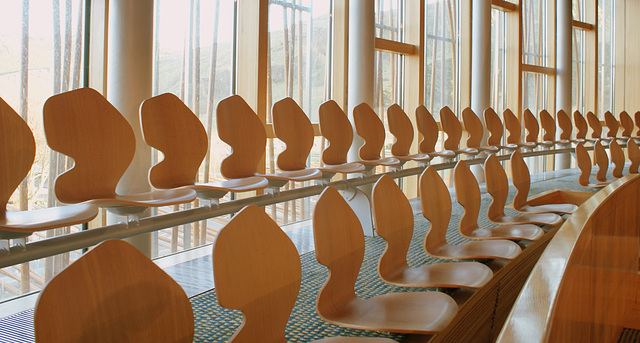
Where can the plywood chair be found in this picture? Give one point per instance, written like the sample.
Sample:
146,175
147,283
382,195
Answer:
596,127
17,153
584,164
292,126
522,182
243,131
436,207
401,128
468,195
169,126
602,161
451,126
612,125
498,186
549,127
581,127
566,127
394,223
617,157
473,125
257,270
113,293
339,243
369,126
496,130
512,125
634,156
627,126
428,128
83,125
336,128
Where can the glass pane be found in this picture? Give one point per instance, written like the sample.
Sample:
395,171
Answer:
606,59
389,17
578,72
534,32
579,10
534,92
498,60
441,55
389,70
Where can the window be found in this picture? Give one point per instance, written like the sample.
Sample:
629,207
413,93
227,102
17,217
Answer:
498,60
606,55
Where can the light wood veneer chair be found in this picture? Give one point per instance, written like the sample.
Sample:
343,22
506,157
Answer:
83,125
369,126
533,129
498,186
243,131
394,223
496,130
401,128
596,127
636,117
566,127
549,127
17,153
633,152
617,157
171,127
339,243
428,128
627,126
512,125
584,163
113,293
581,127
612,125
473,125
452,127
468,195
436,207
292,126
602,161
257,270
336,128
522,182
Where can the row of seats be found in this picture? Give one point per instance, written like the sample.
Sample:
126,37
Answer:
257,269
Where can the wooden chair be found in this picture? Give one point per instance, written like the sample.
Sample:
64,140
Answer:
498,186
368,126
17,153
473,125
617,157
339,243
83,125
292,126
581,127
428,128
512,125
436,207
627,126
451,126
257,270
496,130
636,117
394,223
401,128
549,127
468,195
596,127
169,126
584,163
242,130
634,156
612,125
336,128
113,293
533,128
602,161
566,127
522,182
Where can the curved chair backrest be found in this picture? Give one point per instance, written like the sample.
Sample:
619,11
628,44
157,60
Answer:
521,179
336,128
627,124
257,270
584,163
401,128
595,125
113,293
636,117
497,185
617,157
602,161
494,126
428,128
473,125
512,124
394,222
634,156
451,126
292,126
564,122
468,195
339,242
243,131
548,125
531,125
83,125
171,127
17,152
581,125
612,124
370,128
435,201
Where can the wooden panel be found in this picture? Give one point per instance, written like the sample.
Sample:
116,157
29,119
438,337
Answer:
582,25
394,46
508,6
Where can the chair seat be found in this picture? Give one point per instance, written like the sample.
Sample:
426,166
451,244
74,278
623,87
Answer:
442,153
528,145
490,148
527,232
531,218
468,151
414,157
387,161
48,218
510,146
447,275
135,203
547,143
549,208
296,175
216,190
578,140
346,168
502,249
420,312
